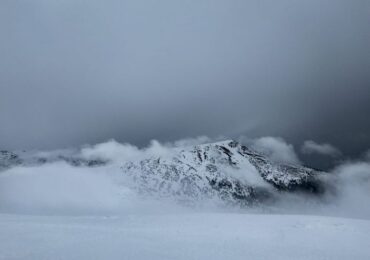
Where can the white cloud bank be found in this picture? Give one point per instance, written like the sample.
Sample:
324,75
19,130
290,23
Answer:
60,188
351,185
277,149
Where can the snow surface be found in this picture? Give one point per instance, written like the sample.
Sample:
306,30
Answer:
183,236
85,205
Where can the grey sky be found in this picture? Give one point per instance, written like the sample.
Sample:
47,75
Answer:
74,72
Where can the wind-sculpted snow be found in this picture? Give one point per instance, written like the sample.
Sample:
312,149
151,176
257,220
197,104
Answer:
224,171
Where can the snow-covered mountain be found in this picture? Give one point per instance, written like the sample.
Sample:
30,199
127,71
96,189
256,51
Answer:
227,171
50,202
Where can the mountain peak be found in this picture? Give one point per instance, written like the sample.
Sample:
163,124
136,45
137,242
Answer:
224,170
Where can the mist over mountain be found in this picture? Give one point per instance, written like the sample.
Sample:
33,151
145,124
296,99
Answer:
198,129
187,173
74,72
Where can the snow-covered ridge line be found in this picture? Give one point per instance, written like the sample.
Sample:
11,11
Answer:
226,171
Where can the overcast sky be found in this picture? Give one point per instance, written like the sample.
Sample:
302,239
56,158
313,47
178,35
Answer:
75,72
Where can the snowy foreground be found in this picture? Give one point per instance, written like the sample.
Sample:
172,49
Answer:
183,236
114,201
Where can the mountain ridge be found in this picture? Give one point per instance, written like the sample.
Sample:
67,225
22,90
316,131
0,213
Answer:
224,171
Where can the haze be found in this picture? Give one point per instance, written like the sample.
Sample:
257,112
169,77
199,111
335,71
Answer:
76,72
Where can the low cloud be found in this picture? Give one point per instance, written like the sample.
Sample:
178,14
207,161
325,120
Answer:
311,147
350,184
277,149
191,141
58,188
114,151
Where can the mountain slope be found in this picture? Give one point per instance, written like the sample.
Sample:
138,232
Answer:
225,170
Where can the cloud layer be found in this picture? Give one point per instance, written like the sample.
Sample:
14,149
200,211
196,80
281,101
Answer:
277,149
74,72
60,188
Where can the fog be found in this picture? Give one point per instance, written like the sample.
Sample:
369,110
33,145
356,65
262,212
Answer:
58,188
102,103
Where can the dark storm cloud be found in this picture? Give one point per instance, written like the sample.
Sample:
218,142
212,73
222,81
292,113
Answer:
74,72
